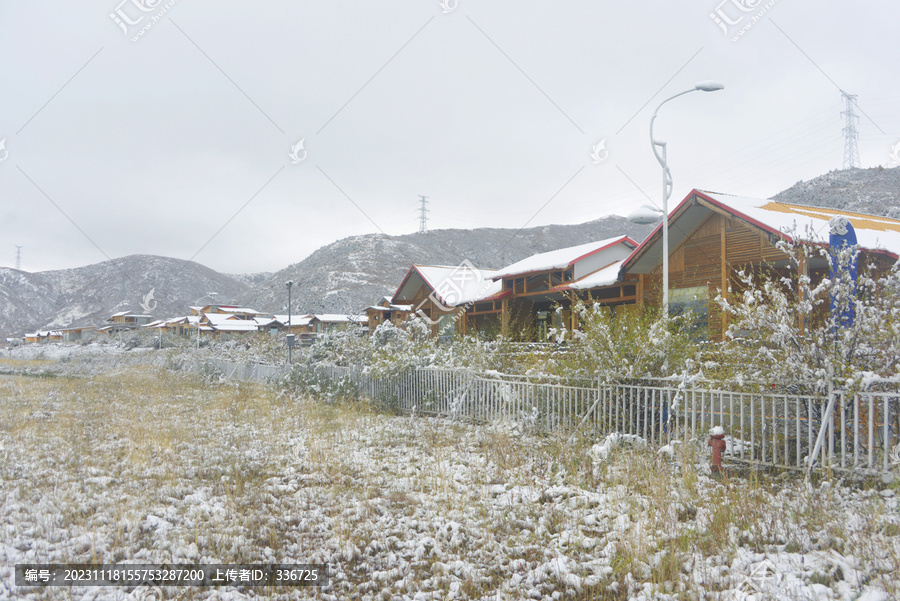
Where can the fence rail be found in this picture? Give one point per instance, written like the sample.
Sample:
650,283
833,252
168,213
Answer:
861,433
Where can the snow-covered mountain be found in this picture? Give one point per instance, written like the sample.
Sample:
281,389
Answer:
873,191
350,274
88,295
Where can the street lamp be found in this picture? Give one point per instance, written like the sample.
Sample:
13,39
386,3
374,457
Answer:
643,215
290,334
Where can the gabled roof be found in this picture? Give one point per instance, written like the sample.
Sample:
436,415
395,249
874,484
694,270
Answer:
782,220
810,224
453,286
127,314
225,309
225,322
561,258
243,310
296,320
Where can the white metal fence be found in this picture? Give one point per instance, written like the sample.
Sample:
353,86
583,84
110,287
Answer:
858,431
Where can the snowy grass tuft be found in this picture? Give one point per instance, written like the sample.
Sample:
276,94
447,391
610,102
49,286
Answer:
145,465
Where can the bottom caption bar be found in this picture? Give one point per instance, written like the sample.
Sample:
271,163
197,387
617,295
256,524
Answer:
58,574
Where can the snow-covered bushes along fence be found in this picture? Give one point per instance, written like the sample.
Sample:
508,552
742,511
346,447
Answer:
776,428
768,428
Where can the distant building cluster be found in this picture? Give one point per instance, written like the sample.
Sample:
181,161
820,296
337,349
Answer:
209,320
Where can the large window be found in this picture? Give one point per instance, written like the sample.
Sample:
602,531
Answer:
693,302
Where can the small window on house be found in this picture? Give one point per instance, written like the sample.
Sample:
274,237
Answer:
602,293
446,326
693,303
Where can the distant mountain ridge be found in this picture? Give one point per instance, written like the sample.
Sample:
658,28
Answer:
352,273
873,191
349,274
88,295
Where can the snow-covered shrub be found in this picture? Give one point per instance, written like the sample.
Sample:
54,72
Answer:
316,383
629,345
781,330
388,350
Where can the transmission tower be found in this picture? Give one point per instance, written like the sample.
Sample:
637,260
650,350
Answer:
423,213
18,257
851,134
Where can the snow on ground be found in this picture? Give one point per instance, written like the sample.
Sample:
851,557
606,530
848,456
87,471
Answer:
142,465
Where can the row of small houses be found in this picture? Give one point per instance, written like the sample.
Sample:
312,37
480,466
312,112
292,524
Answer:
209,320
712,237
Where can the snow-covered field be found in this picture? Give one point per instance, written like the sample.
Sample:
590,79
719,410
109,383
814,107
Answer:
138,464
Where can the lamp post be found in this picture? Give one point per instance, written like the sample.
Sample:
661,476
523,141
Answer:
290,334
646,214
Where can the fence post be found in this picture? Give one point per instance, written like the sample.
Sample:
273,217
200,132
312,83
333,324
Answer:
823,428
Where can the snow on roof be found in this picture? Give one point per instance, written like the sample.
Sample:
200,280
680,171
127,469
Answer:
562,258
296,320
390,307
218,318
455,286
233,324
340,318
233,309
606,276
810,224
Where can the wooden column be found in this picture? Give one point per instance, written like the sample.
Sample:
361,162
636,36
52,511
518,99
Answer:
724,267
640,294
572,318
504,317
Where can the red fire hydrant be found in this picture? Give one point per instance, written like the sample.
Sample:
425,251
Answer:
718,444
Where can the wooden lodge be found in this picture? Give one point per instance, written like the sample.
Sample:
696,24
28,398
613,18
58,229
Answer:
125,320
713,236
386,312
451,300
534,288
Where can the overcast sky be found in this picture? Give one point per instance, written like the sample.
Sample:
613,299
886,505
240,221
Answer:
174,139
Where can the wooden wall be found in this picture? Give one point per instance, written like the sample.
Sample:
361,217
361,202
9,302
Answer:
709,256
